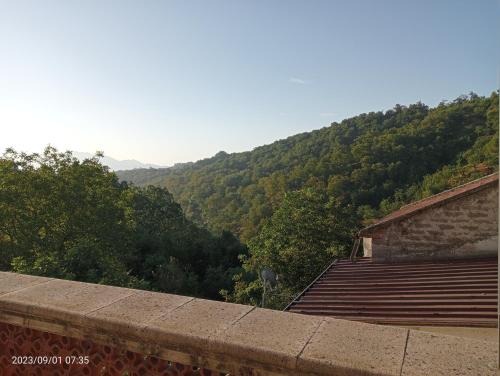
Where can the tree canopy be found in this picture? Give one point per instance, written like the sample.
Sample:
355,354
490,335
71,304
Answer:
295,203
301,238
368,161
64,218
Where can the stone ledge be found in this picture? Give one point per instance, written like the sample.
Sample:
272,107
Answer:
432,354
361,349
231,337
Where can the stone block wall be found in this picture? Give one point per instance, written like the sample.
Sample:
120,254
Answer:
460,228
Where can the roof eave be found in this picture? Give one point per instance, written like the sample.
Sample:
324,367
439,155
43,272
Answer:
383,223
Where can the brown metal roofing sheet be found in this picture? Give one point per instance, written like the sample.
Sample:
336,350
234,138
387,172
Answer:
440,293
437,199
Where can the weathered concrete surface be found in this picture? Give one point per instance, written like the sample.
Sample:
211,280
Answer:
344,347
271,337
62,300
485,334
367,247
135,312
195,324
434,354
10,282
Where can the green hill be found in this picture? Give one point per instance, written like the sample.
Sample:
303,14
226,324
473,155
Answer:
372,162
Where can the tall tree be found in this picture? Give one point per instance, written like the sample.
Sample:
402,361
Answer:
301,238
64,218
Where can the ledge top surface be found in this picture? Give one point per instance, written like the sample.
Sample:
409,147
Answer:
292,343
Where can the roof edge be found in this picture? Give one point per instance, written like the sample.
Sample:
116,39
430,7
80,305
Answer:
299,295
385,222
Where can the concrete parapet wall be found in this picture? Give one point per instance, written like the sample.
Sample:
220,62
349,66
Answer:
232,338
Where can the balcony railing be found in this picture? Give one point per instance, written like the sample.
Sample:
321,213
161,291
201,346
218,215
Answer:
56,327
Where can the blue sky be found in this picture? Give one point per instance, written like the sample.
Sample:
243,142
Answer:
175,81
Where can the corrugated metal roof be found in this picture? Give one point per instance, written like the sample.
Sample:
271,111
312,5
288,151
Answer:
442,293
437,199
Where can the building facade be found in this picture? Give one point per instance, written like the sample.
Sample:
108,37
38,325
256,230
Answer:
455,224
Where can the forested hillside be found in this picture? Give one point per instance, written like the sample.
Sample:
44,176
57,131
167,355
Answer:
292,206
372,162
65,218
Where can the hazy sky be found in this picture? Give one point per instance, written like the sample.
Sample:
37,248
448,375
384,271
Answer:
174,81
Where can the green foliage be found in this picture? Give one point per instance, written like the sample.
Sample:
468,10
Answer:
297,202
480,159
175,255
68,219
373,161
274,197
62,218
301,238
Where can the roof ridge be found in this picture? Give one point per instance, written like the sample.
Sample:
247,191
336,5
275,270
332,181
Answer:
451,189
434,200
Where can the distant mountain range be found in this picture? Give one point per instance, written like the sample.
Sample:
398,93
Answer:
115,164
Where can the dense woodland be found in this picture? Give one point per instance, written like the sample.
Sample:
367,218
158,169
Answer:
298,202
369,161
292,205
68,219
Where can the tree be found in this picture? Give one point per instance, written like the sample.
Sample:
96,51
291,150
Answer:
365,161
60,217
302,237
63,218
